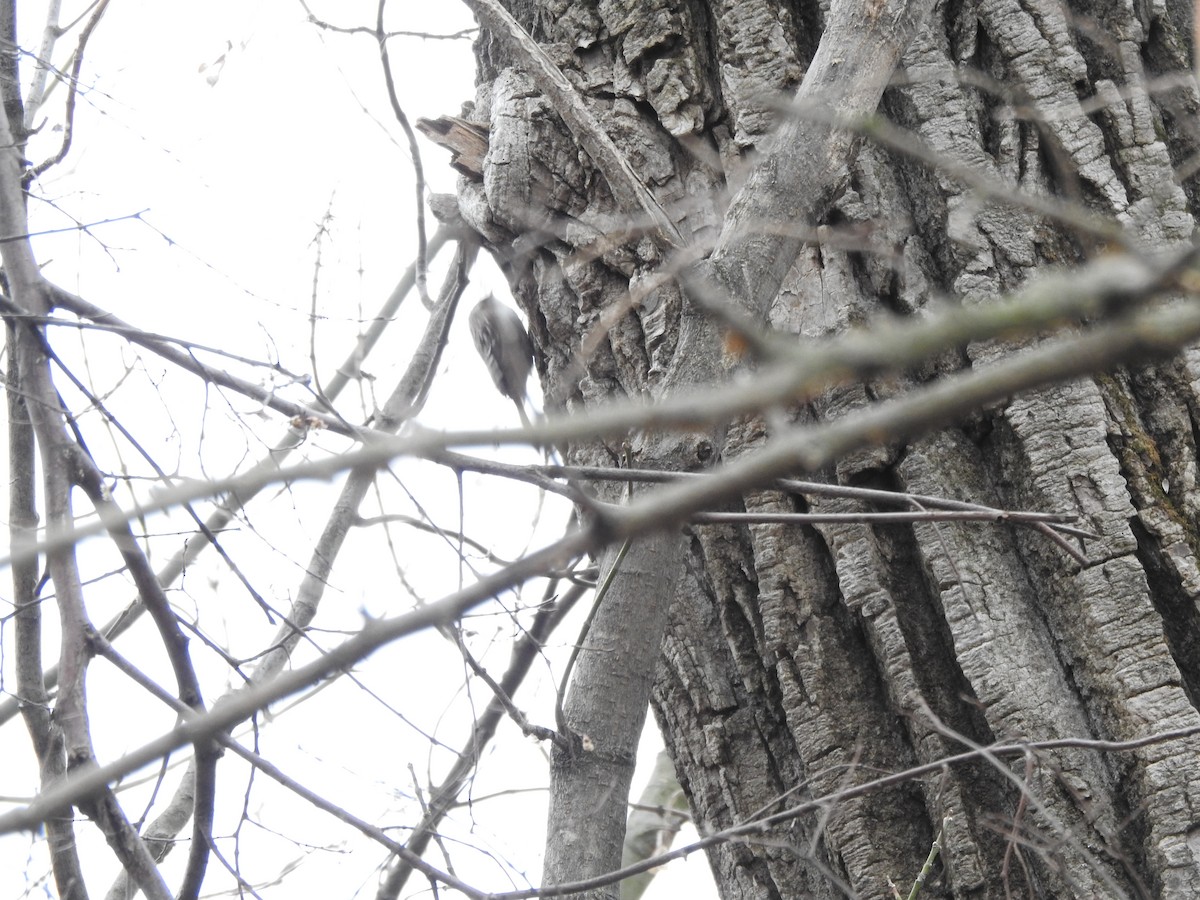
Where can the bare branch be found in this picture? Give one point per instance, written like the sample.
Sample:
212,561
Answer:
59,456
1110,284
219,519
186,361
72,92
413,149
406,400
32,697
1151,333
444,797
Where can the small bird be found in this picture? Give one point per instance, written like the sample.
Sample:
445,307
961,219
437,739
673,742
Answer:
505,348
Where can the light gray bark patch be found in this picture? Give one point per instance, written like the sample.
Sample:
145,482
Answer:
572,22
863,660
1159,212
658,311
532,170
1062,432
1102,617
659,67
1004,648
758,64
987,238
1035,40
711,720
643,144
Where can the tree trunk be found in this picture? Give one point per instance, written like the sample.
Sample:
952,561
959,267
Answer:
802,660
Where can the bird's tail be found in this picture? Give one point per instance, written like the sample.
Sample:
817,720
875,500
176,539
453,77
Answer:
519,402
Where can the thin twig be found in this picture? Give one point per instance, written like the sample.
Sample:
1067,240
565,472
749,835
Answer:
415,151
72,93
221,517
1151,334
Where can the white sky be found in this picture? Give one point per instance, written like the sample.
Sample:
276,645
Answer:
236,126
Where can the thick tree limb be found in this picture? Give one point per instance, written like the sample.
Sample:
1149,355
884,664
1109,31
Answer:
806,159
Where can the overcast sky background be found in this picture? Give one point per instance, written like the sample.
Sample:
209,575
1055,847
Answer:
243,132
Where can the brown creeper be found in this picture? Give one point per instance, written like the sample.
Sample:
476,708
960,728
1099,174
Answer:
505,348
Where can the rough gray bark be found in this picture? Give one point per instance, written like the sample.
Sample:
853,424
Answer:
812,658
